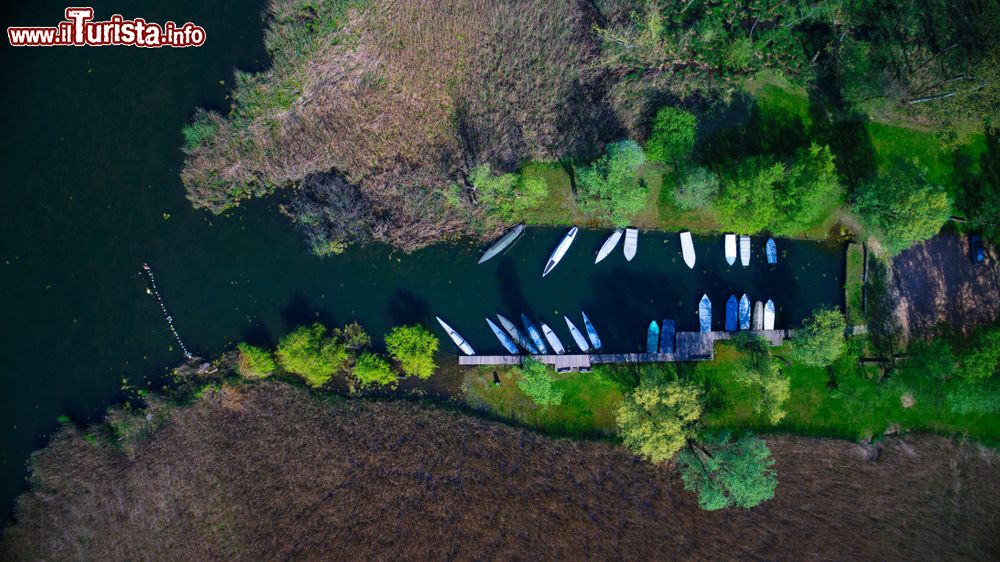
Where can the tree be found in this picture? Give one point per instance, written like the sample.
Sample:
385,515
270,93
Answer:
254,362
821,340
413,347
724,473
353,336
758,371
902,207
657,418
672,138
372,370
610,187
749,194
536,381
506,196
981,360
810,189
307,352
697,188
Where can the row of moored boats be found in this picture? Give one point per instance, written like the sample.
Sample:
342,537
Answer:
531,338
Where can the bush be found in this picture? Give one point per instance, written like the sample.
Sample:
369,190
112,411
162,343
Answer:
902,207
980,361
672,138
413,347
772,388
610,187
749,196
822,338
372,370
657,418
254,362
506,196
199,131
810,190
739,473
308,353
698,187
536,381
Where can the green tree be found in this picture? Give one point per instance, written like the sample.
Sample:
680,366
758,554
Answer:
352,335
809,191
413,347
372,370
822,338
748,200
254,362
672,138
763,376
310,354
697,188
658,417
981,360
536,381
724,473
506,196
610,187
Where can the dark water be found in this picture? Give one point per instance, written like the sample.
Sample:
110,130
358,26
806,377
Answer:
90,186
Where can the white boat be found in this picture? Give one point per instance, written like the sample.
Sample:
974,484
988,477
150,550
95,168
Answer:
504,338
769,315
591,332
520,338
557,345
744,312
631,242
758,316
705,314
730,249
771,250
745,250
609,245
581,341
500,245
459,340
560,250
687,247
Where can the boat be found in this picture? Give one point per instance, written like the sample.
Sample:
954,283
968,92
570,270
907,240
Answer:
744,312
731,313
668,332
504,338
652,337
769,315
560,250
687,247
500,245
730,245
581,341
745,250
534,334
771,250
520,338
631,242
758,316
459,340
591,332
557,345
609,245
705,314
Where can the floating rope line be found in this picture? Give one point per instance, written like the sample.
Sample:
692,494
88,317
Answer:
170,320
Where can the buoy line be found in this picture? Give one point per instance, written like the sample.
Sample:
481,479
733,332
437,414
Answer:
152,290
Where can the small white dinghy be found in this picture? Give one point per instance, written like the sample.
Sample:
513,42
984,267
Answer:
560,250
687,247
609,245
581,341
730,249
501,244
758,316
745,250
769,315
631,242
557,345
455,337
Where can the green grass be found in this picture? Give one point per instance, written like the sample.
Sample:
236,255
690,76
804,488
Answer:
853,284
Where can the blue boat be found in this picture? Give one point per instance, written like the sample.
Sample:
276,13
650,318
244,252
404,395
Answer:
705,314
504,338
668,332
534,334
771,250
652,337
591,332
520,338
731,313
744,312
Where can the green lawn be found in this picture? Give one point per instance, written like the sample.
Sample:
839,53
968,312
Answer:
853,284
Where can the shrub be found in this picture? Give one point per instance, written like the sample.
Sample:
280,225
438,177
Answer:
697,188
657,418
199,131
610,187
729,473
506,196
672,138
536,381
749,194
810,189
372,370
254,362
822,338
308,353
981,360
758,371
413,347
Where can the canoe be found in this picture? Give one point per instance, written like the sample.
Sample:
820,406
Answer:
732,313
668,331
631,242
705,314
581,341
504,338
591,332
730,245
745,250
500,245
771,250
652,337
744,312
520,338
758,316
609,245
687,247
459,340
557,345
769,315
560,250
534,334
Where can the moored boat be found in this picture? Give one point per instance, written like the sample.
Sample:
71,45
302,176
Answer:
769,315
771,250
758,316
533,333
455,337
744,312
652,337
687,248
705,314
631,243
500,245
557,345
668,332
731,313
504,338
520,338
560,250
745,250
581,341
730,247
609,245
591,332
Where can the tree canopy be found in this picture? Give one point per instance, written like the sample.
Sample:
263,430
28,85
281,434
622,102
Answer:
413,347
763,376
506,196
822,338
536,381
748,200
728,473
372,370
610,188
309,353
254,362
672,137
657,418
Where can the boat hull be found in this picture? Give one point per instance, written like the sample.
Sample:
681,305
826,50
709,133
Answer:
533,333
668,333
581,341
705,314
652,337
505,340
631,243
732,313
557,345
520,338
758,316
769,315
560,251
745,250
744,313
772,251
687,249
609,245
591,332
455,337
500,245
730,247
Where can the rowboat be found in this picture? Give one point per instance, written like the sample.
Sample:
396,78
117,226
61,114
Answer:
560,250
758,316
631,242
652,337
459,340
769,315
744,312
609,245
745,250
591,332
581,341
731,313
500,245
771,250
730,245
520,338
668,330
557,345
705,314
533,333
687,247
504,338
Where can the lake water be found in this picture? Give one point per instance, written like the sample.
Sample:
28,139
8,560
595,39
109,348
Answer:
91,190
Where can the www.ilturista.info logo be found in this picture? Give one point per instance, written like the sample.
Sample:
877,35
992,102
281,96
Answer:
79,30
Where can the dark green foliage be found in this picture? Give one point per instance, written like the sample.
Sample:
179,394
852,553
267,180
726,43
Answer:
724,473
672,137
979,197
810,190
821,341
311,354
758,370
980,360
414,348
749,196
537,382
610,188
